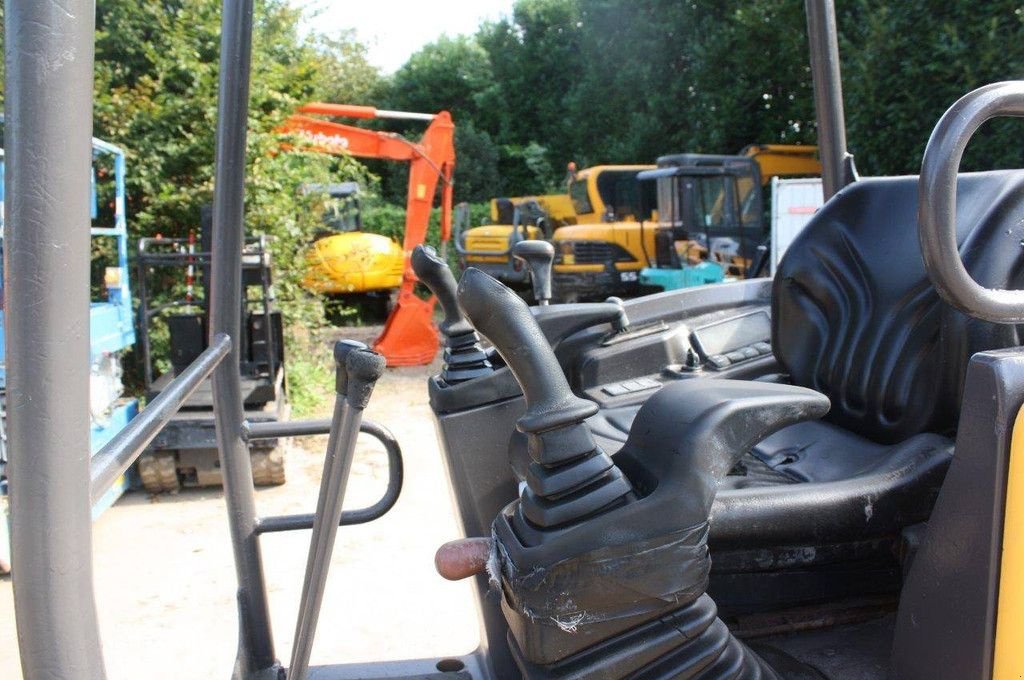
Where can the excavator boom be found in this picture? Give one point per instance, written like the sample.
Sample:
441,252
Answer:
409,337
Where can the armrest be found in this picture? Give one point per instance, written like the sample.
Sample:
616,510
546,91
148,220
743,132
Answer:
687,437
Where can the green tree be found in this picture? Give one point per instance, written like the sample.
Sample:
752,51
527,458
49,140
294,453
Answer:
347,77
156,95
535,59
904,64
448,74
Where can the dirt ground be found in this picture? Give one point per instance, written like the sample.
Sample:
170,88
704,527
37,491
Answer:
165,579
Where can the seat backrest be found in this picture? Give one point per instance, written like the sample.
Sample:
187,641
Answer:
855,317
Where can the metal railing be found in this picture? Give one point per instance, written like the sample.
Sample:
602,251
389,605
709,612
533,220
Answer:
117,456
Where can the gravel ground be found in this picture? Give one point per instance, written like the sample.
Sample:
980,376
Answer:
165,578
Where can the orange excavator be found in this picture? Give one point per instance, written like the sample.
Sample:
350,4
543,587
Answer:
409,337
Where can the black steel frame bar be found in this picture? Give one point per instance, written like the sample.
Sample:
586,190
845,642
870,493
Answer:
147,312
836,162
120,452
255,643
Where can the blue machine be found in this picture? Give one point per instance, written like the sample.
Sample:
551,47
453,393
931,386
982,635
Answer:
111,332
686,276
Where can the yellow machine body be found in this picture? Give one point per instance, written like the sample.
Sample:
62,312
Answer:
493,238
354,262
610,243
496,237
1009,660
558,207
628,243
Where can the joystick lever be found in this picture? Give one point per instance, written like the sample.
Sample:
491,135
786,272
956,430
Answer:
590,561
538,257
464,358
570,478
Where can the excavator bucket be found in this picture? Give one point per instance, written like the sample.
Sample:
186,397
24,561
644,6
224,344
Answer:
409,337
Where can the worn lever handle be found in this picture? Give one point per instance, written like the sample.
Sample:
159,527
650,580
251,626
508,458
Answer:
504,319
570,478
538,257
435,275
464,358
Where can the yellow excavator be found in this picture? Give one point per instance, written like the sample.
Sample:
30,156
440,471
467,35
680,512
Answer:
345,260
602,194
604,252
513,219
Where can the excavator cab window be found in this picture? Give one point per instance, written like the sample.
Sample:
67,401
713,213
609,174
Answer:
341,207
749,201
621,194
712,201
580,198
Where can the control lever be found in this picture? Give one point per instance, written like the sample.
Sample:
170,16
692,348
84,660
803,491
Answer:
570,477
357,369
464,358
538,257
621,322
590,561
634,579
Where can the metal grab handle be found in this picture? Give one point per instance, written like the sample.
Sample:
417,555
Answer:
396,473
937,203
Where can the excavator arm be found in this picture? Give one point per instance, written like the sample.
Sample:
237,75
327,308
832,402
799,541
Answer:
409,337
432,159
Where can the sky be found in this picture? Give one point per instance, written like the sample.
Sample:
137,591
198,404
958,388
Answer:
393,29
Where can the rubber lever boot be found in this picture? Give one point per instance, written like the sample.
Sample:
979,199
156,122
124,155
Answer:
570,478
538,257
623,594
464,358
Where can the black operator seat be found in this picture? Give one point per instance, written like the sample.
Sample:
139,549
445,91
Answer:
855,317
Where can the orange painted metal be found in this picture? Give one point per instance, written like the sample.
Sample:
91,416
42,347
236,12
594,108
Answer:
338,110
410,337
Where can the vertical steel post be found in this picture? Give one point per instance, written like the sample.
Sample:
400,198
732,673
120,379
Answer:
823,38
48,142
255,644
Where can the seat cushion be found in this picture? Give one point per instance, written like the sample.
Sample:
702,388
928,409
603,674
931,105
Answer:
814,483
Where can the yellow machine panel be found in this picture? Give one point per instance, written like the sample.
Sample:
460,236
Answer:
353,262
558,207
1009,660
587,247
493,238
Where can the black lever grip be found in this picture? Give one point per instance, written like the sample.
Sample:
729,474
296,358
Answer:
358,368
464,358
504,319
539,257
570,478
435,275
